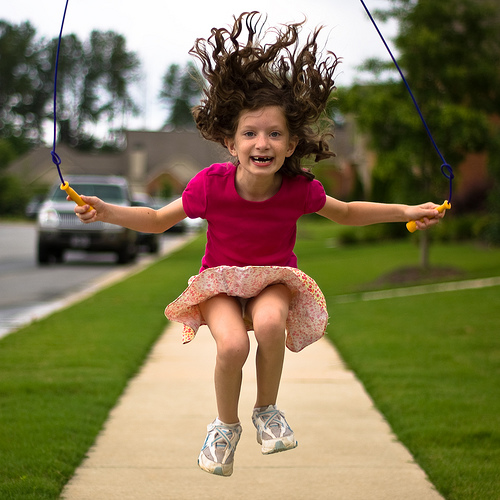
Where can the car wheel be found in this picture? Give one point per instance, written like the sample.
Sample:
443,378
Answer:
154,247
43,254
127,254
59,255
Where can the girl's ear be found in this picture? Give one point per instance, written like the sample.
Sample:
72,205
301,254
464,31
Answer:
292,145
230,146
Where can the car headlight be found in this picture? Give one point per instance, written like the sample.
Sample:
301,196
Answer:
48,218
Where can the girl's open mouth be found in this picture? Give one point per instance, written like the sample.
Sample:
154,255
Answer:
262,159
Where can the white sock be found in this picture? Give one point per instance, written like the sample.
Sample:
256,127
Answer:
263,408
218,421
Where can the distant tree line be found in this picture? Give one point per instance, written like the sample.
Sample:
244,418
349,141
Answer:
94,86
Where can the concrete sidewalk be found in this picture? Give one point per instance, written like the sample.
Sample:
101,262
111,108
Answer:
149,447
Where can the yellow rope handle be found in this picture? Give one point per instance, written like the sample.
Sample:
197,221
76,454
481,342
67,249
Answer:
412,225
74,195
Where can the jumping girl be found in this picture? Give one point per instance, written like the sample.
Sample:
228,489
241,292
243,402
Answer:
263,103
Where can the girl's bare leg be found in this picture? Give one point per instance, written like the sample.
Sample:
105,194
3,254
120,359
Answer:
223,316
269,311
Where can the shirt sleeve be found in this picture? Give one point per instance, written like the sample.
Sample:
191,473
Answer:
316,197
194,199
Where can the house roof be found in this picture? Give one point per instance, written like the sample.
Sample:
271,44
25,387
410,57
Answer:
167,147
37,165
181,154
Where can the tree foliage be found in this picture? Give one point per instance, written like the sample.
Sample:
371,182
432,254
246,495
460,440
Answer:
181,90
25,84
451,49
449,52
93,85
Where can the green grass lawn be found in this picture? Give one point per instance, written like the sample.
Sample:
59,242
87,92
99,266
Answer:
431,363
60,377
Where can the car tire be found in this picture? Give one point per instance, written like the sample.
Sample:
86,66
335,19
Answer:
127,254
59,255
154,247
43,254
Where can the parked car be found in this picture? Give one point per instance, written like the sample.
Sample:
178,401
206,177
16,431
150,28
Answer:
149,241
59,229
186,225
33,206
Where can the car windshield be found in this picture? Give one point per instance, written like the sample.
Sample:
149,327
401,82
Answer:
106,192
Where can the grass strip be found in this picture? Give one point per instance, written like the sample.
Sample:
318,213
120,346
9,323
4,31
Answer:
60,376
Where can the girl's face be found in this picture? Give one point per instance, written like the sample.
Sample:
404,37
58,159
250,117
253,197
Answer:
262,141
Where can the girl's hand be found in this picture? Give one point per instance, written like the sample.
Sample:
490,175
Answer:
425,215
97,213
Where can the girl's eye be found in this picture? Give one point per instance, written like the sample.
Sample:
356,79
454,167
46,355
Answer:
275,134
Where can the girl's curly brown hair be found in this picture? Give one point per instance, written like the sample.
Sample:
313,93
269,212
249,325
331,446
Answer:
250,76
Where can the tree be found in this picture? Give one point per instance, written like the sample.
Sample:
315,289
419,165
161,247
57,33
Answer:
93,88
451,48
94,85
25,85
449,52
460,40
181,90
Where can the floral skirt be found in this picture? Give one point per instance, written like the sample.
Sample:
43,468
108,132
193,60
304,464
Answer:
307,317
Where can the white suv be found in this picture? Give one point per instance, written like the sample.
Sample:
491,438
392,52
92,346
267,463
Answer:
59,229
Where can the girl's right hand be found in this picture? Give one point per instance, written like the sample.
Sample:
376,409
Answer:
86,215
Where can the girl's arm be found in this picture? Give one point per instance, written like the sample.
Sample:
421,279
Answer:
143,219
360,213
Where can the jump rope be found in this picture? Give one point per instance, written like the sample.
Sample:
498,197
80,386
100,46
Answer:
55,157
446,169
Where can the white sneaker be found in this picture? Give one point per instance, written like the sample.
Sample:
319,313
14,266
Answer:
273,431
217,453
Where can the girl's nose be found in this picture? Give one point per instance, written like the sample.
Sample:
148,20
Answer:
262,141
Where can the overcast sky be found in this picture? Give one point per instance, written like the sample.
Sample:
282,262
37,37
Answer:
162,32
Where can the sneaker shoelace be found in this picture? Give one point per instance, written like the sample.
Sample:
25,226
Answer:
221,443
275,423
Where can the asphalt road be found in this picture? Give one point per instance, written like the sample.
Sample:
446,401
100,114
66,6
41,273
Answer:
28,291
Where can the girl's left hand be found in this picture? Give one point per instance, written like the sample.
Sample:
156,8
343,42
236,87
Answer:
425,215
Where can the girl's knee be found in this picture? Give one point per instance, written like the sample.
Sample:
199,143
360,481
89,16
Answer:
269,327
233,351
269,312
223,316
270,320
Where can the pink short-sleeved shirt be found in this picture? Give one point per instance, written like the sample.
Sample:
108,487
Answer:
248,233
